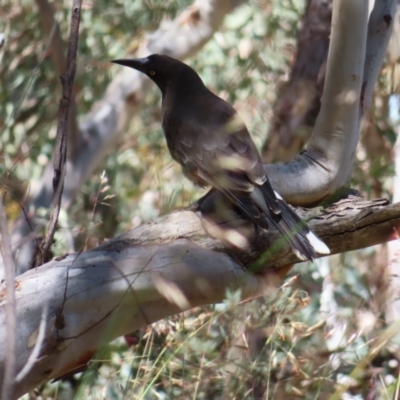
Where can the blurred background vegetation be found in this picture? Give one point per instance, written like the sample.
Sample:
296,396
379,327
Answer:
316,337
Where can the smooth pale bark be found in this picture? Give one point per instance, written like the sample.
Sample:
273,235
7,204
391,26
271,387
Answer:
110,117
327,163
380,27
113,292
152,272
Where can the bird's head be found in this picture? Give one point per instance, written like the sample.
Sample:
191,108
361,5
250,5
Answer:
163,70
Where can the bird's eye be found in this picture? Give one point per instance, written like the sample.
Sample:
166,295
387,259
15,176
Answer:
152,72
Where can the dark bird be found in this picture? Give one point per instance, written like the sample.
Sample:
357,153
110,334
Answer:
206,136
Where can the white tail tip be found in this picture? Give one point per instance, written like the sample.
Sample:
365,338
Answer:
319,246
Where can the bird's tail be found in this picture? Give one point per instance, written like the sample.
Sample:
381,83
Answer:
257,206
304,243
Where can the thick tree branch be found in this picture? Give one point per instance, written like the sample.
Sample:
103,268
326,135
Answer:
154,271
326,165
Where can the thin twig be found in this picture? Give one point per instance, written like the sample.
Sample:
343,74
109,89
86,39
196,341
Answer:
57,54
67,80
7,391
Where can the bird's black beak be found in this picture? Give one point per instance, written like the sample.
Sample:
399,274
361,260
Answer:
135,63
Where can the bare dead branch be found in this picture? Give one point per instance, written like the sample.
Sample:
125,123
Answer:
57,53
60,154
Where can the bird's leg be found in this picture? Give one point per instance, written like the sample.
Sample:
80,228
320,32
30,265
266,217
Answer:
204,203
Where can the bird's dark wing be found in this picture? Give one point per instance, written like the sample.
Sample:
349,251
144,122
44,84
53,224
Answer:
216,141
215,148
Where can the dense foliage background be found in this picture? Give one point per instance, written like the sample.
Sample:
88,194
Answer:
322,330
